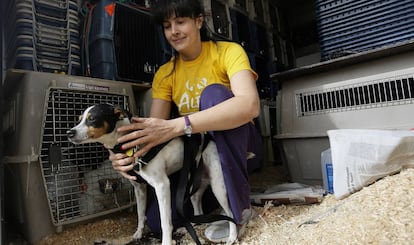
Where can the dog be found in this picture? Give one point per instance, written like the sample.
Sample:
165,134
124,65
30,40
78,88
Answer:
100,189
99,123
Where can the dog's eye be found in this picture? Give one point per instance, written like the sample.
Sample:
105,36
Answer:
91,119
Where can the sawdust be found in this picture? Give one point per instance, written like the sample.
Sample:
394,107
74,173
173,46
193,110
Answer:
381,213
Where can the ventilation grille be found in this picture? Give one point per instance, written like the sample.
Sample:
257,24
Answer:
72,172
360,96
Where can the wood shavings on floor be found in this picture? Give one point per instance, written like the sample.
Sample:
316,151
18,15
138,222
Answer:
382,213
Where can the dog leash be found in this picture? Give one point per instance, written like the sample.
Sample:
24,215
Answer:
183,206
193,166
190,177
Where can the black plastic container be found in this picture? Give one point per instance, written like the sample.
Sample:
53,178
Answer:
241,29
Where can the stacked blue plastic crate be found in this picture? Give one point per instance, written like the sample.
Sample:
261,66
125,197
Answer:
43,35
351,26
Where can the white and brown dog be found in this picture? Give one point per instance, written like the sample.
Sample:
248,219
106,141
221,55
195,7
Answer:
98,123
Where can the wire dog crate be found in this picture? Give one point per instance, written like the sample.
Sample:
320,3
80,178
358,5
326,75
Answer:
217,18
47,176
122,43
72,172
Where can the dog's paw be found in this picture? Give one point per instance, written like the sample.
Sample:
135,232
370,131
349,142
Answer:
148,238
181,231
138,234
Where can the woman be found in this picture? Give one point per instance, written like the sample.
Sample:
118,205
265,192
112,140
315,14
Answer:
214,88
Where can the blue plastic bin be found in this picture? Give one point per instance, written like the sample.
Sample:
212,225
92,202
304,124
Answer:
347,26
39,35
101,51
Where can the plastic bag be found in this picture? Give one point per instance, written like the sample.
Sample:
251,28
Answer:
360,157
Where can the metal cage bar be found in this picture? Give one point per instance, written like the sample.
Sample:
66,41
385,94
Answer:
73,173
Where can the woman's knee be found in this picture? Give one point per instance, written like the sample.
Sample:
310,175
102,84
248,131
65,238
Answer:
214,94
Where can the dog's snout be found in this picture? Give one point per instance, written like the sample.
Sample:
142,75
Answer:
71,133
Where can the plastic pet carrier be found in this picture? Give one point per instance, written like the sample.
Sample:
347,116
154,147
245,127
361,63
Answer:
351,26
50,181
123,43
378,94
241,4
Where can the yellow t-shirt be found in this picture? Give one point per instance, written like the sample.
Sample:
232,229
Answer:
183,84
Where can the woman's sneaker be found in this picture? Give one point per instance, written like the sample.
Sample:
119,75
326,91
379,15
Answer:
218,231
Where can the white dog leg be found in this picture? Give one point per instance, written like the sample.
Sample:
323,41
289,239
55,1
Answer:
161,184
196,198
140,190
212,162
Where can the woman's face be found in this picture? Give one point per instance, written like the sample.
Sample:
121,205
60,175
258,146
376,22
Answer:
183,34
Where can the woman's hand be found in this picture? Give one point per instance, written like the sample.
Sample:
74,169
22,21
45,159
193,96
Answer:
122,164
149,132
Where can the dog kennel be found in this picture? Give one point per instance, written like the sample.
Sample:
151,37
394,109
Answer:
49,181
122,42
217,18
373,90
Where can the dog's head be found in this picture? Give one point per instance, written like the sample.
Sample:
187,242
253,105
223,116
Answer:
98,123
109,185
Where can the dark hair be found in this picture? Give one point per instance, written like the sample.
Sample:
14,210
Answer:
164,9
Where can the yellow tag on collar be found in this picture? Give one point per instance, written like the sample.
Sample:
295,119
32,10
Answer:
130,152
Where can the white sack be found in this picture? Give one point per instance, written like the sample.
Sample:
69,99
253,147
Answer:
360,157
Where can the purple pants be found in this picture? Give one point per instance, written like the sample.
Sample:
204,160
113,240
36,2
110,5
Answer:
232,146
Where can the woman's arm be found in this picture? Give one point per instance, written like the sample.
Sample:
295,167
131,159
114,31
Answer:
160,109
232,113
121,162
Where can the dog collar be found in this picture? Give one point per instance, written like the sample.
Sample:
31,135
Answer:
129,152
139,161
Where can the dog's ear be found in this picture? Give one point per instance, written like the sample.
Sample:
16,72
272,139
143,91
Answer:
121,114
